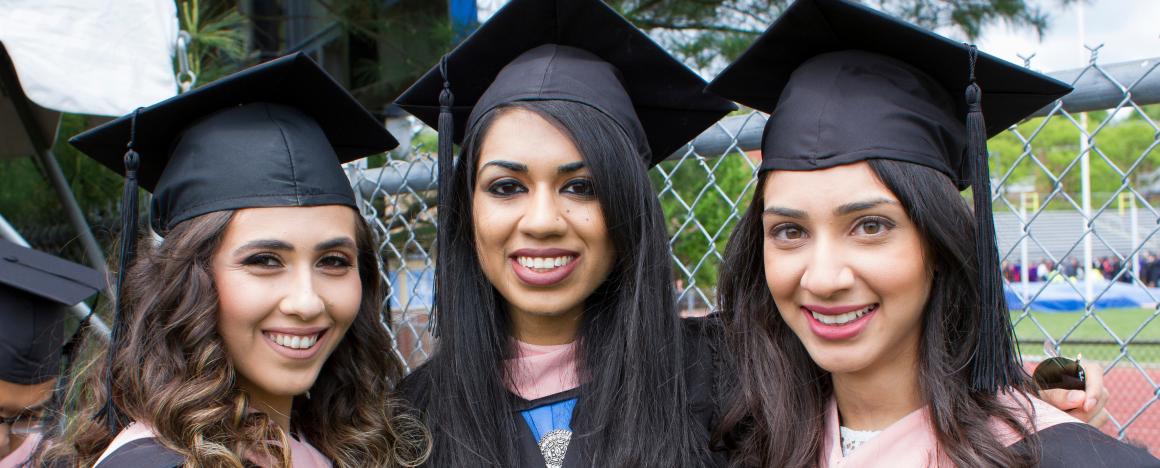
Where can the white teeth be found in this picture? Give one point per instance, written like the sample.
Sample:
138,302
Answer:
841,319
294,341
544,263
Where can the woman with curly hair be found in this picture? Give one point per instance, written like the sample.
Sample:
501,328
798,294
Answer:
251,332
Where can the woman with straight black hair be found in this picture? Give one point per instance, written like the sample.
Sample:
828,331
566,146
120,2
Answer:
872,322
558,340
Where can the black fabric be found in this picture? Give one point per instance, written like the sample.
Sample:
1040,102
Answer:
845,83
142,453
702,341
36,290
573,50
271,135
1071,445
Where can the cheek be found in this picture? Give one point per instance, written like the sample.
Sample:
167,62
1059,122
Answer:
781,274
240,305
588,220
344,298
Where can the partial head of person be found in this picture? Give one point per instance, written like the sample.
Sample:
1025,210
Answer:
549,229
36,290
257,310
873,266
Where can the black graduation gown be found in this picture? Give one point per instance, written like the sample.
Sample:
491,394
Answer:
702,342
1072,445
142,453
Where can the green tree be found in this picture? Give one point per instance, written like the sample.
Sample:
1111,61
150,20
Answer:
709,33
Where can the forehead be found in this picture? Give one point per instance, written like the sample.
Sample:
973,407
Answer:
290,223
523,136
824,188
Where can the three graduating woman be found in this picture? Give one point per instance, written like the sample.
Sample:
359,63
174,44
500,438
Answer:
251,332
873,321
558,340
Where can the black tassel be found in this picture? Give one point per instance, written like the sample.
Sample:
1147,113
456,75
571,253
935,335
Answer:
994,364
446,165
128,251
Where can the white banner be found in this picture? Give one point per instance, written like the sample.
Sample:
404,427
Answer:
98,57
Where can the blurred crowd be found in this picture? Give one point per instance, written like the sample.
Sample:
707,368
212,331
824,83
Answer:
1107,268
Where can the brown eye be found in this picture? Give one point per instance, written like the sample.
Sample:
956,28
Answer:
873,226
787,232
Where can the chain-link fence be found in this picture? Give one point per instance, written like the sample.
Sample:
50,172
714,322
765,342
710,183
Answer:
1075,192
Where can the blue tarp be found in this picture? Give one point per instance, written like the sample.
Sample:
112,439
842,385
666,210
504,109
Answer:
1061,296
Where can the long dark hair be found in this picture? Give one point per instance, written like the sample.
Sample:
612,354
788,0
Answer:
173,373
780,387
632,406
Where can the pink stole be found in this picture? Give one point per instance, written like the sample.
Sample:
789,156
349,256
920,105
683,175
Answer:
538,371
910,442
21,455
302,454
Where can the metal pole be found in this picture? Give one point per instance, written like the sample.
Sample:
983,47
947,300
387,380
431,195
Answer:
42,145
73,210
1023,254
1085,182
9,233
1135,230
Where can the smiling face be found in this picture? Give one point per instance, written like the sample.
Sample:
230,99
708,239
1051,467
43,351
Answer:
845,266
288,290
539,229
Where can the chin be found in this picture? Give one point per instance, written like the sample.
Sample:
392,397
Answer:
290,384
839,362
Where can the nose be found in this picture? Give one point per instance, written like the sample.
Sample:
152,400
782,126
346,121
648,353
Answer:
543,217
828,274
302,298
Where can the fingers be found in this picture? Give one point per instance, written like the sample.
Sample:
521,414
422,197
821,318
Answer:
1066,400
1097,395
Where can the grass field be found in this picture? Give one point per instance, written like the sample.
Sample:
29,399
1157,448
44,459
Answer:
1124,323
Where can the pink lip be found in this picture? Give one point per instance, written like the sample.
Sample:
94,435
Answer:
838,332
296,354
543,278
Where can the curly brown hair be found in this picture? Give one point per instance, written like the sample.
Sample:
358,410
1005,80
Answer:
171,371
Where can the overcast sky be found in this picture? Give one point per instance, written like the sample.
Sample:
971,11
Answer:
1129,30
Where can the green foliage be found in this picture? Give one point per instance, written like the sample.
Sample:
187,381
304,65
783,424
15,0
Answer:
217,38
27,197
708,33
1120,143
409,35
698,235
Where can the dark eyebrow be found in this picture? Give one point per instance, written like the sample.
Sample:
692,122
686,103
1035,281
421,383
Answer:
335,243
787,212
570,167
511,166
855,207
264,244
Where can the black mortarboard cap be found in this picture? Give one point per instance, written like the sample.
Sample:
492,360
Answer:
572,50
845,83
36,290
273,135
